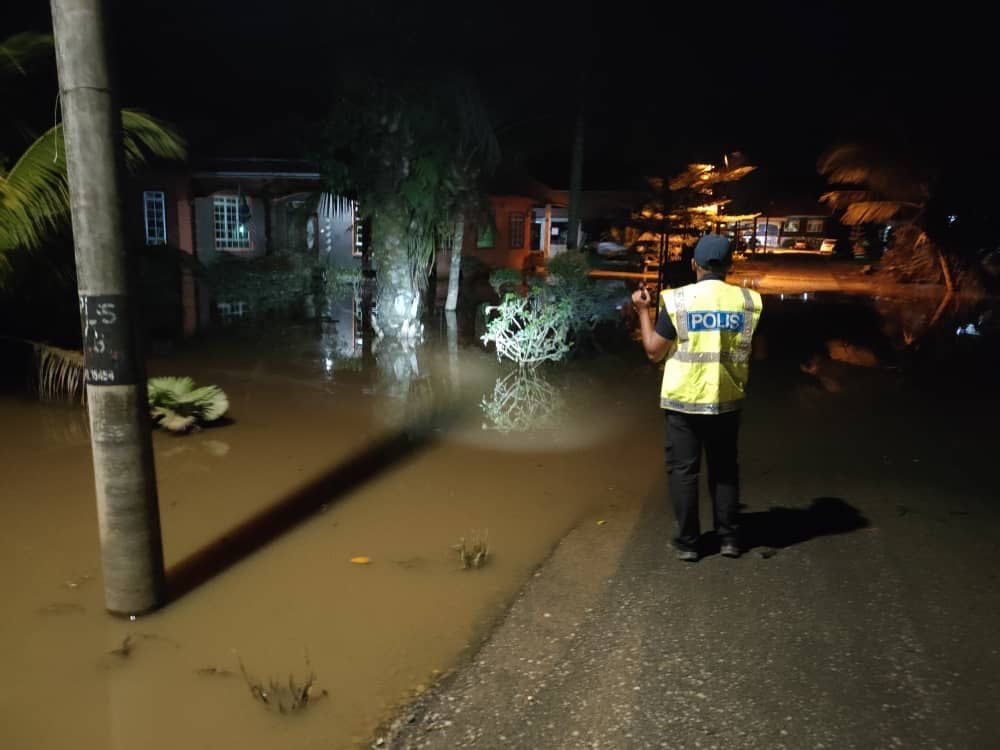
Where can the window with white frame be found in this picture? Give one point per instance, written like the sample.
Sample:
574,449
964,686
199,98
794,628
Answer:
154,208
814,226
358,231
230,232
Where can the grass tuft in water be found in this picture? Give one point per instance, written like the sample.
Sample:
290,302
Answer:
473,552
285,698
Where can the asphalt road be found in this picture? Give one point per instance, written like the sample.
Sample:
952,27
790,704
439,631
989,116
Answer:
863,616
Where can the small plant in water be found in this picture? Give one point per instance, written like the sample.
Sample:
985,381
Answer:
505,280
176,405
284,698
474,551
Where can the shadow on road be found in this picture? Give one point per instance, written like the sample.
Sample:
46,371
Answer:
781,527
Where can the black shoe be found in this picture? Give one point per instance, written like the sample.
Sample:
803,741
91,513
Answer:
687,555
730,549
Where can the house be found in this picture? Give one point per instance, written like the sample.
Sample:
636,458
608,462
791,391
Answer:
526,223
240,208
795,225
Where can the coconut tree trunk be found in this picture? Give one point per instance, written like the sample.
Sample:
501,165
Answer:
949,286
455,268
397,293
949,283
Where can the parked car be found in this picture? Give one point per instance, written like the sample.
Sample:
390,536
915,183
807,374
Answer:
610,249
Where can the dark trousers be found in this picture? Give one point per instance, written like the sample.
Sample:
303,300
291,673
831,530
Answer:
687,435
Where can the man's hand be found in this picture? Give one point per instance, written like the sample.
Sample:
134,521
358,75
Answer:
641,299
655,345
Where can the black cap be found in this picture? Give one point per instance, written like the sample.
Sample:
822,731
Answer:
712,251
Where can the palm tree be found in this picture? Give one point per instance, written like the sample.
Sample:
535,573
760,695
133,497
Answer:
873,188
412,153
34,192
879,189
34,195
476,153
17,51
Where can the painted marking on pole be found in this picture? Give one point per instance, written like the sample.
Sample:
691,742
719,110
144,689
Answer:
106,342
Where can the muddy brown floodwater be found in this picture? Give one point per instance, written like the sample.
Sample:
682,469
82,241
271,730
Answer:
329,456
304,415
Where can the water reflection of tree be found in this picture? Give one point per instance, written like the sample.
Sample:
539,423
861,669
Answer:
341,334
905,322
405,388
924,327
522,400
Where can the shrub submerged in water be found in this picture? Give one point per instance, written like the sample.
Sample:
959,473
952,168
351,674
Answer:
176,405
540,325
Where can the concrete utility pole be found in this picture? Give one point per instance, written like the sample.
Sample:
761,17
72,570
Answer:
128,513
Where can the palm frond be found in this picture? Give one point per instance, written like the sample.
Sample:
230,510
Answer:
476,132
878,212
144,135
34,195
59,372
176,405
166,390
849,174
208,402
837,199
17,51
890,177
848,164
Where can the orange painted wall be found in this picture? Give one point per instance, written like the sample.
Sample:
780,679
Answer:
502,255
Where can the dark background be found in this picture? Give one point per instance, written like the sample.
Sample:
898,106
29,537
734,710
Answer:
663,84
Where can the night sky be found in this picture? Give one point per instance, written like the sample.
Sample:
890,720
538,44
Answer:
665,83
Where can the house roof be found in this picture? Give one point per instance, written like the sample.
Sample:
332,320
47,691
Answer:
273,176
513,181
300,169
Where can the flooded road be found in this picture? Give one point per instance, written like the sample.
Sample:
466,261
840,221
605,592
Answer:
394,458
372,634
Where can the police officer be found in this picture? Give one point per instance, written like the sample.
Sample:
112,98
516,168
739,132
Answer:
705,331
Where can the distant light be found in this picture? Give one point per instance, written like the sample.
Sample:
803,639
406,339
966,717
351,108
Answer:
805,296
952,218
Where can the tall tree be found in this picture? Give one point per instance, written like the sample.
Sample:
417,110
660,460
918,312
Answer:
873,187
411,152
476,154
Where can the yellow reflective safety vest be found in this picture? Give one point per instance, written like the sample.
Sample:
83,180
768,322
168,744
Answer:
708,366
